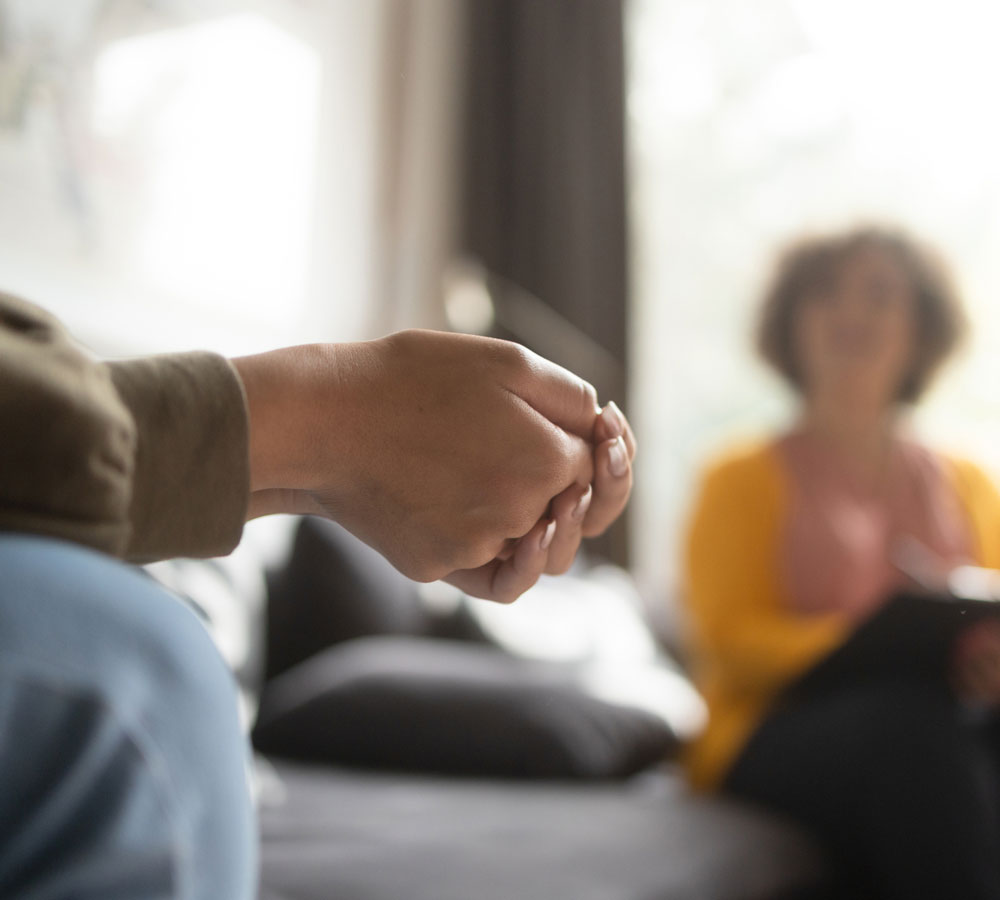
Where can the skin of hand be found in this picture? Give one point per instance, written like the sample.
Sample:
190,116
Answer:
579,511
439,450
976,664
614,449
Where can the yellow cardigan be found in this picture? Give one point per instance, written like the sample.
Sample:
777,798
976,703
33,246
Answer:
745,642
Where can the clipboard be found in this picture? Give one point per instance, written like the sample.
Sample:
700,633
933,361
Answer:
909,636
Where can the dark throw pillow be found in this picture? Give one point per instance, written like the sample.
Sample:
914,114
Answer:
334,588
447,707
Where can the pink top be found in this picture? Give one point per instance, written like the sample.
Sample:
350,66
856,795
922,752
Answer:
842,539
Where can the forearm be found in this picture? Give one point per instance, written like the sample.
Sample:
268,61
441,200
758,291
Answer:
435,449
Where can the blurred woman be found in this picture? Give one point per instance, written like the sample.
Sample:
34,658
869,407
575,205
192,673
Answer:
793,543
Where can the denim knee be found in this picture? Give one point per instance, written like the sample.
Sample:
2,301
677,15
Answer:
111,677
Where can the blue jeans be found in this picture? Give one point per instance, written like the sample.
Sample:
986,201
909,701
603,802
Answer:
122,762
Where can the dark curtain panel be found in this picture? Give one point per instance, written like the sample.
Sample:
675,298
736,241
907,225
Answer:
543,201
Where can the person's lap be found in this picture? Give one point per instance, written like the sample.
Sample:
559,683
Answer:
122,764
893,778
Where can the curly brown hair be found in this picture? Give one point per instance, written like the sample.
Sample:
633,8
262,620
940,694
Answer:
939,316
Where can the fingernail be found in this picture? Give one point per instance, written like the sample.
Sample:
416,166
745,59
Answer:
547,535
617,458
614,421
582,505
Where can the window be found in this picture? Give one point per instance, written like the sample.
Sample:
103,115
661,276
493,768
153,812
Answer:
191,175
751,122
207,137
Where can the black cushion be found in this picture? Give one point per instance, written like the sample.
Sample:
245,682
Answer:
334,588
444,706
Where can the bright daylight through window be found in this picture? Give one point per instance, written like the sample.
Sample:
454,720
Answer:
751,122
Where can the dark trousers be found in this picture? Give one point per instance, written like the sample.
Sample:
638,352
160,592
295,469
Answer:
894,777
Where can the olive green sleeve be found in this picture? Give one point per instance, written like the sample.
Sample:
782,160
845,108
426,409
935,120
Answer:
144,459
67,442
190,483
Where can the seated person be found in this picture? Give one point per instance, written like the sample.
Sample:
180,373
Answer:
792,545
122,762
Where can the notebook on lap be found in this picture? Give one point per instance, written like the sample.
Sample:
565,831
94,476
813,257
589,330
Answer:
911,635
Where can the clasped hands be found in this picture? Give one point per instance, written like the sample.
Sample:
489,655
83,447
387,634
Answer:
460,458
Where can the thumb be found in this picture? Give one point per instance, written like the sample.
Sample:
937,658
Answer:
557,394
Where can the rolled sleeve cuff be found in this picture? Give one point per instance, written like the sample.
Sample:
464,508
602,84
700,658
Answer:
192,473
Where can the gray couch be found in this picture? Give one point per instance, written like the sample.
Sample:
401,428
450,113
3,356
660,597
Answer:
411,756
366,833
343,833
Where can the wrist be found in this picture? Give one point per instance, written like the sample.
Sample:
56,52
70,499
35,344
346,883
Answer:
281,500
288,391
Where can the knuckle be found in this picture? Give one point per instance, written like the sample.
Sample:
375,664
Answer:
516,354
555,458
426,571
399,341
474,554
507,355
429,562
588,396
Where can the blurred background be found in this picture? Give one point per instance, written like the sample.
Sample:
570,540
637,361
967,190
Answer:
604,181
